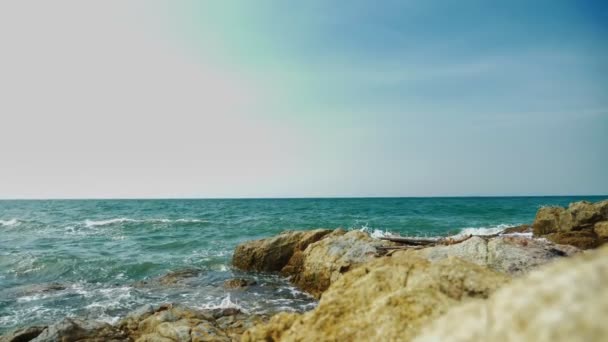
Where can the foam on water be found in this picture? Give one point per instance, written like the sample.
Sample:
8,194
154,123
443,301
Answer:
93,223
375,233
483,231
225,303
8,223
101,250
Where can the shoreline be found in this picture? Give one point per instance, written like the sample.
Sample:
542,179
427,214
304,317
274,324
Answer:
318,261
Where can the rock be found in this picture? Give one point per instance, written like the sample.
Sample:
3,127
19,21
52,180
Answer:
171,278
72,329
387,299
583,214
324,261
22,335
573,225
272,254
547,220
564,301
601,229
583,239
518,255
509,254
474,250
237,283
174,322
524,228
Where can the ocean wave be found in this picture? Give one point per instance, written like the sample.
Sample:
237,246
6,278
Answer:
226,303
375,233
483,231
93,223
8,223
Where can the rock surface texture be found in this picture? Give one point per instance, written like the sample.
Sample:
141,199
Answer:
387,299
509,254
272,254
565,301
164,323
574,225
313,259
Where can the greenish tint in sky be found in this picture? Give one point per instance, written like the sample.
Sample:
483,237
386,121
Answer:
313,98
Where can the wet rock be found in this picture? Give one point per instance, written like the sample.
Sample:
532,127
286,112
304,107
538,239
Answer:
272,254
564,301
509,254
72,329
23,335
170,279
573,225
237,283
323,262
524,228
387,299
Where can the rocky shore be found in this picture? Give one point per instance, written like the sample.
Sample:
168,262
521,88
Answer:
531,283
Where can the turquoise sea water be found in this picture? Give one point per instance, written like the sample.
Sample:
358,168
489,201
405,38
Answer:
94,251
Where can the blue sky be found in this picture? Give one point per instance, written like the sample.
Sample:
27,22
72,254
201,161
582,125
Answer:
314,98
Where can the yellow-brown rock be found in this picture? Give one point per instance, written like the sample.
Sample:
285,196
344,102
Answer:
272,254
514,255
573,225
565,301
324,261
387,299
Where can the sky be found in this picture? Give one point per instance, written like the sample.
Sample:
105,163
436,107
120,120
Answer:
269,98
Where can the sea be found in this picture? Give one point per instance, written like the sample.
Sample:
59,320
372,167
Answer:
97,259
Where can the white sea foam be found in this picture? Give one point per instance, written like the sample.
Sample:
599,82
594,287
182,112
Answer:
93,223
375,233
226,303
483,230
8,223
527,235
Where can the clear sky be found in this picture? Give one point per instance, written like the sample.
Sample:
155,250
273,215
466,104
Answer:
303,98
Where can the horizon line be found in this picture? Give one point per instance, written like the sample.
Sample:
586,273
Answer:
283,198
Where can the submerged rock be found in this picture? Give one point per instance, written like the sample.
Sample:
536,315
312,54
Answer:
573,225
565,301
386,299
237,283
509,254
171,278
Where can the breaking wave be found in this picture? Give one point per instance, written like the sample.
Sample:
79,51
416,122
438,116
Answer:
375,233
484,230
92,223
8,223
226,303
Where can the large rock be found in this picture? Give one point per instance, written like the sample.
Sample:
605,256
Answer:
573,225
72,329
508,254
171,322
324,261
272,254
565,301
22,334
387,299
601,229
583,239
